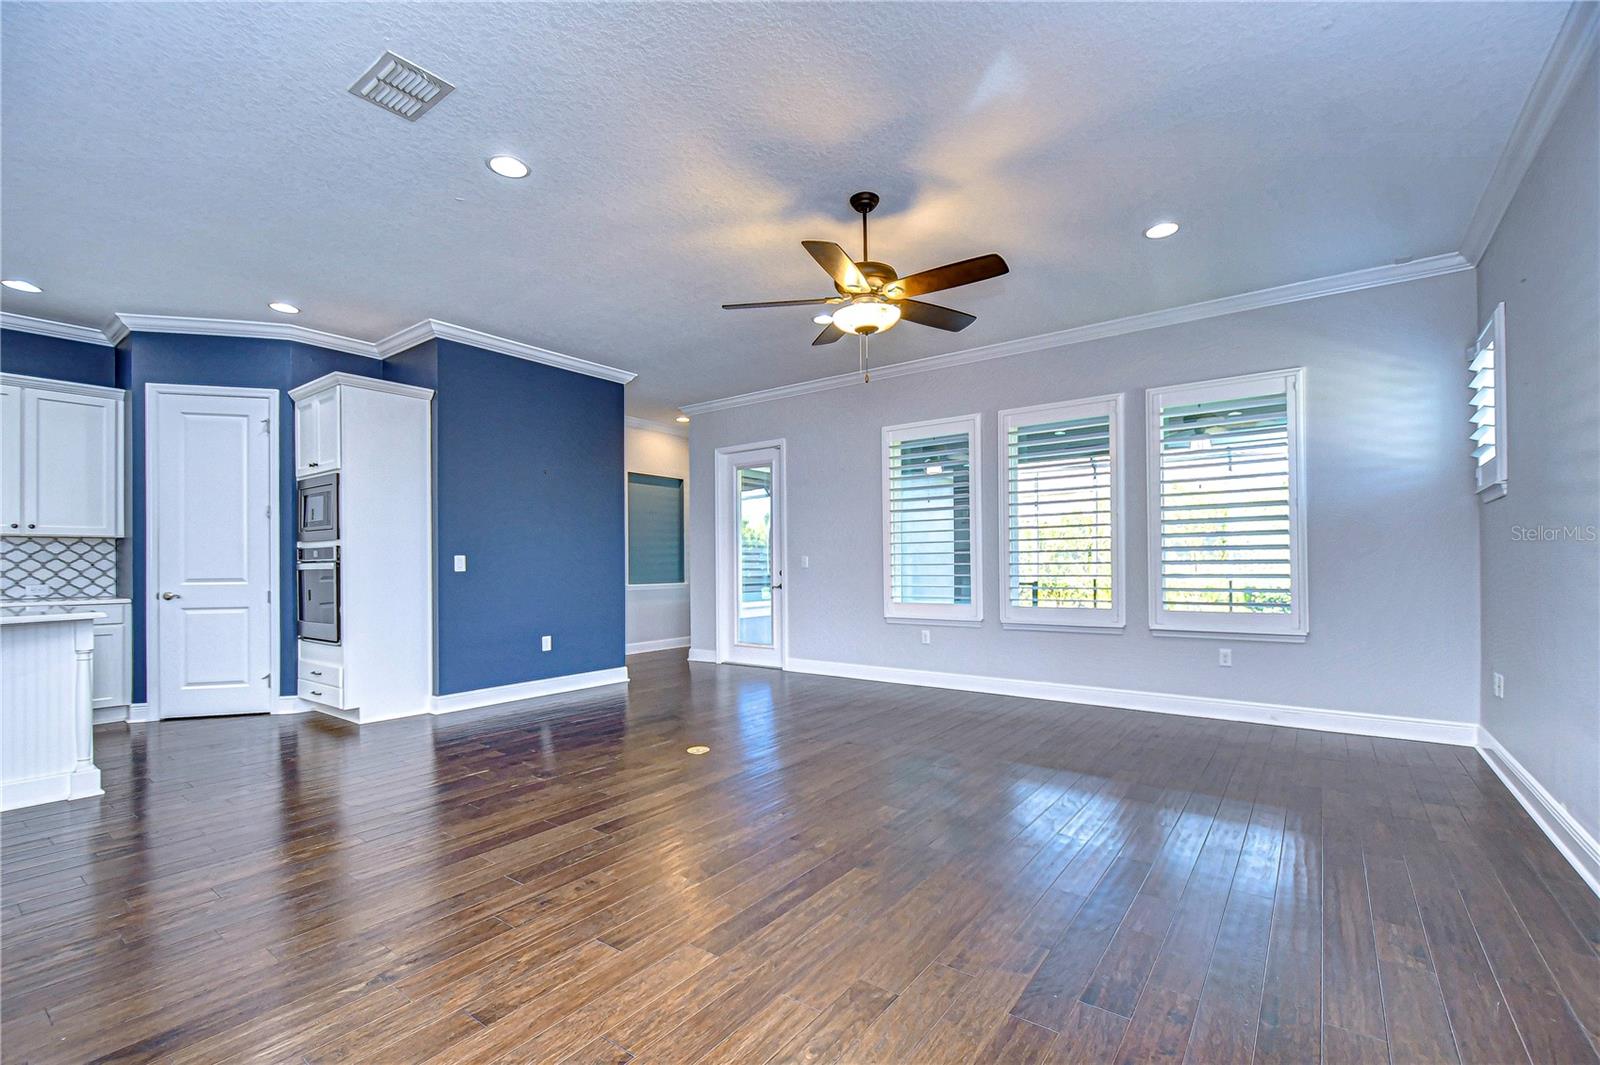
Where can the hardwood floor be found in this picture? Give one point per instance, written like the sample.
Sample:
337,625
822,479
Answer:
856,872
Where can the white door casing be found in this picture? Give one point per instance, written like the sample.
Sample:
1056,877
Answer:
211,500
733,644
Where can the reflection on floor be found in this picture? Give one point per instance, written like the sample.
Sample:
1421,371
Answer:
855,872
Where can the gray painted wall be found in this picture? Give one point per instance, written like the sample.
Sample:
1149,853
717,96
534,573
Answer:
1392,517
660,611
1541,597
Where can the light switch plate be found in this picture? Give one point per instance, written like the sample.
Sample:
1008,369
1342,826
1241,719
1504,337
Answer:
544,643
461,563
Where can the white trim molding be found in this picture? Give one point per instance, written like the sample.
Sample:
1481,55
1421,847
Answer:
140,713
292,704
372,384
531,689
1573,45
655,427
83,334
1354,281
1432,730
646,646
700,654
1574,842
122,324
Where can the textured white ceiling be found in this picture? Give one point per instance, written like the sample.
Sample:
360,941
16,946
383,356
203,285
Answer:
202,159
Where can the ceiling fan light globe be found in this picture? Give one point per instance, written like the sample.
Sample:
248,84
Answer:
864,317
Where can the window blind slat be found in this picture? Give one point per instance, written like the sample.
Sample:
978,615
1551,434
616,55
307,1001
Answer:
1059,513
1224,507
930,520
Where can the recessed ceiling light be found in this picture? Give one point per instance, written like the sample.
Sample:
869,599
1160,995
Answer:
21,285
682,418
284,308
823,319
1161,230
508,166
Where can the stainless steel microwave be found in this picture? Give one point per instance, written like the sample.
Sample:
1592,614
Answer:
318,508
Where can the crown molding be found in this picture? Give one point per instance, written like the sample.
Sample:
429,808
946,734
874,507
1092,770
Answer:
1354,281
83,334
230,327
371,384
432,328
1574,44
655,427
122,324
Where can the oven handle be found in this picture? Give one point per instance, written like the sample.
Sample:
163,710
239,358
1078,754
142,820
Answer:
317,565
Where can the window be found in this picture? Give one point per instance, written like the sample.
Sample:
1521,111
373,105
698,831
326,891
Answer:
1487,379
1226,514
655,529
1060,526
931,550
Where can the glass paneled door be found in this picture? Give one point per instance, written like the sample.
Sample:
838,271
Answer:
750,607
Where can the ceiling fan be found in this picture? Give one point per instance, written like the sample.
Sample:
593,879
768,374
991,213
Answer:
873,298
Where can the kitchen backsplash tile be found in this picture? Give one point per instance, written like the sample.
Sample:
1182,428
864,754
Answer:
65,568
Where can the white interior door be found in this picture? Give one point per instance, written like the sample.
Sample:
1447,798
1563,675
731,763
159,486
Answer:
750,607
211,487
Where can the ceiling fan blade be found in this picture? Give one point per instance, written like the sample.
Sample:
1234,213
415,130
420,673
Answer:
838,263
951,275
828,335
780,303
931,314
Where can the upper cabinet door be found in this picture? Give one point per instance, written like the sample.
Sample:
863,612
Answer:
316,433
10,459
71,464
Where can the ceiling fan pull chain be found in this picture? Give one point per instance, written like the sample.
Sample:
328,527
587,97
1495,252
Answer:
866,375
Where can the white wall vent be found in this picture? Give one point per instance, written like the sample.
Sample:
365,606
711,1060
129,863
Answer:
401,87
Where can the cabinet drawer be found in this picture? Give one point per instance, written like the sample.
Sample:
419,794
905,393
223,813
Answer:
326,694
321,673
115,613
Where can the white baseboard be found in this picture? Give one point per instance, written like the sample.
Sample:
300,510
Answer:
141,712
52,787
110,715
291,704
700,654
646,646
469,700
1571,839
1462,734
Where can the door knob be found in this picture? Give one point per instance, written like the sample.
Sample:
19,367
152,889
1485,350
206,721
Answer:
171,595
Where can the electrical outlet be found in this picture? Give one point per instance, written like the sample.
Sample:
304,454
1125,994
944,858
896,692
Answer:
544,643
1499,685
1224,656
927,636
35,591
461,563
805,561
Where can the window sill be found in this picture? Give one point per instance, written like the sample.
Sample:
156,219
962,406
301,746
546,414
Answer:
1219,634
953,623
1489,493
1034,626
675,584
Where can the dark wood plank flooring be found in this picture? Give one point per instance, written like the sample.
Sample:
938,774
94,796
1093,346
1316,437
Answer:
855,873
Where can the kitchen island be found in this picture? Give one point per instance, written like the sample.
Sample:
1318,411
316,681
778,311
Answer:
46,705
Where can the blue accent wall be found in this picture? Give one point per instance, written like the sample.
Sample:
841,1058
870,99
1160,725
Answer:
242,362
57,359
528,485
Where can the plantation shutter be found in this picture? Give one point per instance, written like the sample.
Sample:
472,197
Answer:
1486,381
1061,505
929,512
1226,507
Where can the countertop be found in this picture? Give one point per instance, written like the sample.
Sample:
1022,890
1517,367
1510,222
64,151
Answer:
39,613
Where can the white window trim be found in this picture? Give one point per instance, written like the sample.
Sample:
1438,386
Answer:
972,425
1065,619
1291,627
1493,478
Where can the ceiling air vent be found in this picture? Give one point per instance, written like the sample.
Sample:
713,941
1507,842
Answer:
401,87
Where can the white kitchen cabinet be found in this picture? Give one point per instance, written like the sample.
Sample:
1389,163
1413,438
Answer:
113,656
62,458
10,459
316,433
